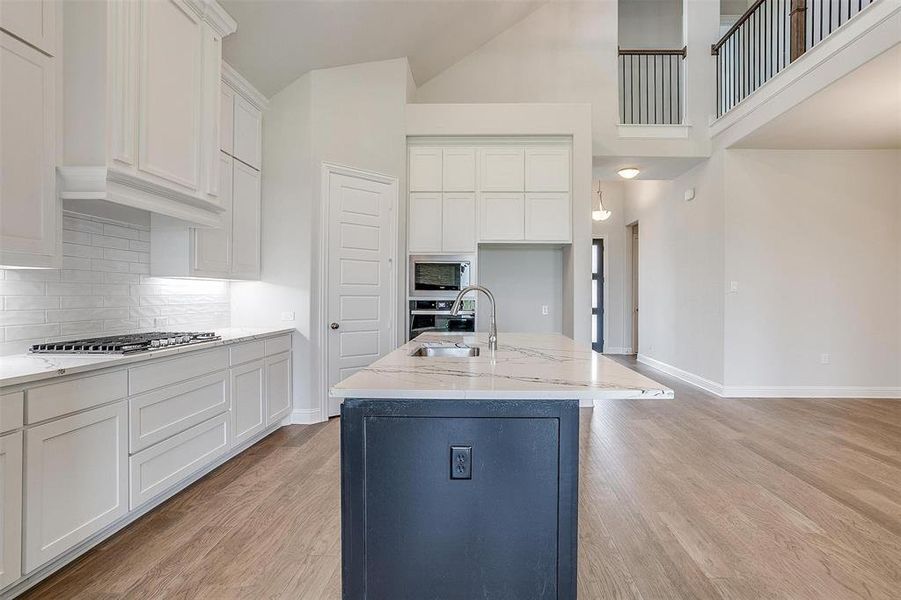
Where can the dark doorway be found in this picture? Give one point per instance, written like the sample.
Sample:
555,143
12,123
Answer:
597,295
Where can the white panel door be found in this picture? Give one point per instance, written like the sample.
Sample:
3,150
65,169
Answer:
278,386
171,92
458,223
360,274
547,169
76,480
248,126
502,216
547,217
459,169
28,204
425,169
425,222
501,169
248,388
10,507
245,222
31,20
212,246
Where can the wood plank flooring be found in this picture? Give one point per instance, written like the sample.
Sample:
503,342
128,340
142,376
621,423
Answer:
695,498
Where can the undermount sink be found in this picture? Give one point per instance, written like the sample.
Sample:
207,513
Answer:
446,351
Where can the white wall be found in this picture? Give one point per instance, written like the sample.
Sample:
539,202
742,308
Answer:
351,116
522,279
650,23
812,240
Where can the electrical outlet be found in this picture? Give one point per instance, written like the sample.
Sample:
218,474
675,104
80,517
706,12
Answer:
545,309
825,358
461,462
733,286
288,315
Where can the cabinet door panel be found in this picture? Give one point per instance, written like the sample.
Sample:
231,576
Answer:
547,217
212,246
245,222
70,500
278,386
248,387
31,20
501,170
209,137
503,217
459,172
247,127
458,222
10,508
547,169
425,169
171,93
425,222
226,119
28,204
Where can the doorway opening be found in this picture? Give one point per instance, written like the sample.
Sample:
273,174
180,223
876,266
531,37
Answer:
634,287
597,295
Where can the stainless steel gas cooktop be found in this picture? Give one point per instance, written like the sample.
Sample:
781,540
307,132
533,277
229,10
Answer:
126,344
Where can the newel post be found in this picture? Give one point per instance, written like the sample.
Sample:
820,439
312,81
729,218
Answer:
798,43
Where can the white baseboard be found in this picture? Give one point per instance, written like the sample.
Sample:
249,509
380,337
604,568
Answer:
618,350
305,416
705,384
740,391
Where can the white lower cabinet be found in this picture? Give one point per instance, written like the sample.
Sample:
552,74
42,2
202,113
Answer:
278,387
76,480
10,507
248,386
165,464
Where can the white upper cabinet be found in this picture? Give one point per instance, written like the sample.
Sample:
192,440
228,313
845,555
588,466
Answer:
501,169
459,172
458,222
547,169
212,245
226,119
425,169
547,217
31,20
245,222
247,129
502,217
10,508
425,222
142,104
29,210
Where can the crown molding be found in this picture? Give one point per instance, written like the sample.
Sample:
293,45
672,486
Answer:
237,82
213,13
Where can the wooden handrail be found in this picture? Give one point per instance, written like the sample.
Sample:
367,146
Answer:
654,51
741,20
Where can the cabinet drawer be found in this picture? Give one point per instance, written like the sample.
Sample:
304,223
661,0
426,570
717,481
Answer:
246,352
278,344
160,414
58,399
185,366
12,407
164,465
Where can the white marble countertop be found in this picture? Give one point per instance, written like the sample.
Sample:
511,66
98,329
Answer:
524,367
26,368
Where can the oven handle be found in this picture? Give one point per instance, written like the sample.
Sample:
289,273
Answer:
462,314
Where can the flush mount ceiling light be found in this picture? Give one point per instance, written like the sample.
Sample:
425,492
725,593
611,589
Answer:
628,173
600,214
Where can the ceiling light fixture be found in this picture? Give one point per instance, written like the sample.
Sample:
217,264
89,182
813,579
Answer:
600,214
628,172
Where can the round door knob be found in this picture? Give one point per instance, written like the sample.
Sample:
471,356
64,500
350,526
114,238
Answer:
334,326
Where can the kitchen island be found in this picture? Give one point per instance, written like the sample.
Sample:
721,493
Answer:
459,465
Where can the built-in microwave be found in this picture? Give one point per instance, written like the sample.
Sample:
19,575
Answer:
439,276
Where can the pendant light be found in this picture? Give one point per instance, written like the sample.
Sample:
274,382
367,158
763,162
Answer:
600,214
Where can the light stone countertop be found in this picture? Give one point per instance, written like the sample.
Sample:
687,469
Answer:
525,367
17,369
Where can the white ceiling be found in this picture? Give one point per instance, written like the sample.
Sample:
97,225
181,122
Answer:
860,110
279,40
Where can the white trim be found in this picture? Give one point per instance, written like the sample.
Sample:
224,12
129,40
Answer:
320,344
213,13
305,416
240,85
705,384
618,350
668,132
793,391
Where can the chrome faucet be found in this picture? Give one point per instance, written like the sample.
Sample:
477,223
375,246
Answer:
492,324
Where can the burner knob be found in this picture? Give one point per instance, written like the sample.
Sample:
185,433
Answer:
154,343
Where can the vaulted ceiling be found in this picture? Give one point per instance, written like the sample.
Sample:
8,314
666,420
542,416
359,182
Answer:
279,40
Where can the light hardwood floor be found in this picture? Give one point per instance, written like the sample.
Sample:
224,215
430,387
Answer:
697,497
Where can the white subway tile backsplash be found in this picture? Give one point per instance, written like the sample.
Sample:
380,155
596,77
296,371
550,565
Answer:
103,288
